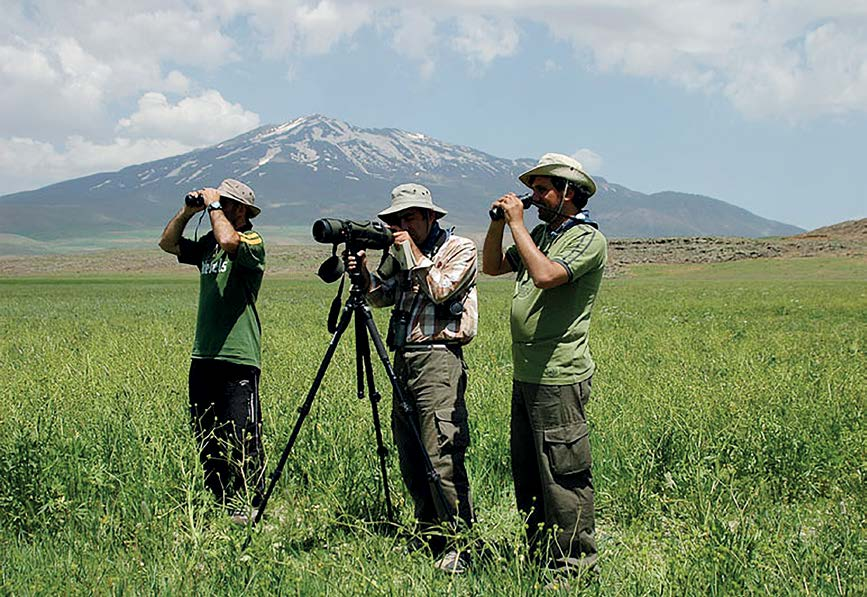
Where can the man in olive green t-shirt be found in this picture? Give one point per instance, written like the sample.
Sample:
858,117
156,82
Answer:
226,359
559,268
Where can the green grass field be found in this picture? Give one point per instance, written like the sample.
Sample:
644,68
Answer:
728,429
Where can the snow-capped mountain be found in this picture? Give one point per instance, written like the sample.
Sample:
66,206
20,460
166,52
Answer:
317,166
324,146
323,143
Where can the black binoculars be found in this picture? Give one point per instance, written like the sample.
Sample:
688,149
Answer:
496,213
194,199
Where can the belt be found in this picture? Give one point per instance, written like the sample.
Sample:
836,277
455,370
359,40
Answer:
455,348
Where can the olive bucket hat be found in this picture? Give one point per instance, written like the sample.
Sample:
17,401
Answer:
238,191
561,166
407,196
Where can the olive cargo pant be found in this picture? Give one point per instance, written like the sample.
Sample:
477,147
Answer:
551,469
434,380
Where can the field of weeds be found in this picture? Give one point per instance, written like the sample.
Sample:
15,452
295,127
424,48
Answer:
728,431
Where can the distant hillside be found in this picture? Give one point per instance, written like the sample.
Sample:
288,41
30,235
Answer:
315,166
629,214
848,230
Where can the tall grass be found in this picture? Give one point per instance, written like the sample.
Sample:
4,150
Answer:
728,430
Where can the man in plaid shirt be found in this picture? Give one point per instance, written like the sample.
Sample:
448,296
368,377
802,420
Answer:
435,314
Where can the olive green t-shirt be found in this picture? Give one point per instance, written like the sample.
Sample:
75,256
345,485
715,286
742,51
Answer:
227,326
549,327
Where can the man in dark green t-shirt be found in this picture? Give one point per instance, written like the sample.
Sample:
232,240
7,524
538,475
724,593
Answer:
226,359
559,268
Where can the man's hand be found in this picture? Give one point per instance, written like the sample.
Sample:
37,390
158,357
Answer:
402,236
209,195
354,262
513,209
190,210
357,263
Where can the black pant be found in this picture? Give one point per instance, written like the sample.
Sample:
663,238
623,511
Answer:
227,422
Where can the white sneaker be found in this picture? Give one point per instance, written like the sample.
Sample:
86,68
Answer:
243,517
452,562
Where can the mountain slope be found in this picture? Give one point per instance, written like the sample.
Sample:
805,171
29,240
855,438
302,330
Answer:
316,166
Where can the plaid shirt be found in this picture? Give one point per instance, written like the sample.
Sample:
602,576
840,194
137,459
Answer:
448,274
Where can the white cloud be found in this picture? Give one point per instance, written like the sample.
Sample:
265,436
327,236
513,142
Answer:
176,82
414,36
65,67
323,25
591,160
84,74
800,57
42,89
825,72
68,69
796,60
26,64
291,26
482,39
201,120
551,66
27,163
180,35
156,130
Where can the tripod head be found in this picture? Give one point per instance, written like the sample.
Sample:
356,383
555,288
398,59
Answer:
331,270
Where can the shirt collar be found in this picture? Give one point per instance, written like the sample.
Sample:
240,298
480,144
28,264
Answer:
430,242
583,217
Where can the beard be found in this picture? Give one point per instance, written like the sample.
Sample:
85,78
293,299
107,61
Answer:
546,215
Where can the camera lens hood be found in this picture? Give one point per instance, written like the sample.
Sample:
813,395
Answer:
331,269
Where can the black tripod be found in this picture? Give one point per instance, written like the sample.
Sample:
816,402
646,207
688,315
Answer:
365,329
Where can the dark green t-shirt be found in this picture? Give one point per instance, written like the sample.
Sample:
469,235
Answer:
549,327
227,327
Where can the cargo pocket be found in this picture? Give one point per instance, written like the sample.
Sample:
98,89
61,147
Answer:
452,429
568,448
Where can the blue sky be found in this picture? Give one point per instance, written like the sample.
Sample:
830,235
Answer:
759,103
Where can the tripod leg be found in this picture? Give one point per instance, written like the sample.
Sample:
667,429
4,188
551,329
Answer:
364,366
443,507
303,411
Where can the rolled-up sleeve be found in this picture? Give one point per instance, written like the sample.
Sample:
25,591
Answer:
451,270
382,292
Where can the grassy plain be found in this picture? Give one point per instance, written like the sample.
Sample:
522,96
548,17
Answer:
728,430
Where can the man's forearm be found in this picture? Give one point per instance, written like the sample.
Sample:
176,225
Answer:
224,233
170,240
544,272
492,251
456,267
378,294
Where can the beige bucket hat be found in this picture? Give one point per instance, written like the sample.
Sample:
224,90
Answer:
238,191
410,195
562,166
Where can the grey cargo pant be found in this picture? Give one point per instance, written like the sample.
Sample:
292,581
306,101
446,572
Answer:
434,380
551,468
